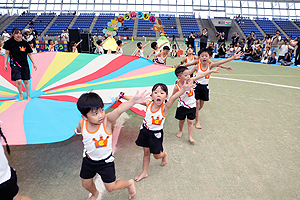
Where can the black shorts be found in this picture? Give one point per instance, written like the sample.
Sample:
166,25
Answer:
151,139
18,72
183,112
202,92
9,189
90,167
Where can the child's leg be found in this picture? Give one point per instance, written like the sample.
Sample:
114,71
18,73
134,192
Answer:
121,184
27,87
90,186
181,124
190,129
146,162
20,197
19,87
163,156
199,105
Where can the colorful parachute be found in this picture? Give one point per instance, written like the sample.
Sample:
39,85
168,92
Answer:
52,115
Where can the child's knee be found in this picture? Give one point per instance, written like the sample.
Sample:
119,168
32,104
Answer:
190,122
87,183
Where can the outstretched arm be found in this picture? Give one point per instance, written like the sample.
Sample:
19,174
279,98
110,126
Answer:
233,57
146,44
137,98
150,54
78,42
192,63
162,45
181,63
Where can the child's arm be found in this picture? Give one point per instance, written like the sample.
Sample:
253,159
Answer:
118,49
192,63
159,54
235,56
78,42
77,130
150,54
186,87
162,45
126,97
203,74
181,63
137,98
146,44
194,69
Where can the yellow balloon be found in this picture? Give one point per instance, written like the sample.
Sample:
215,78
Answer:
146,16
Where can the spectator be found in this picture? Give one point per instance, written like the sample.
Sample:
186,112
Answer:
256,55
222,51
203,38
211,48
27,35
248,53
34,34
237,47
266,41
275,42
191,39
125,28
255,44
265,55
297,57
5,36
284,48
294,42
243,45
64,36
287,61
219,42
251,38
235,37
230,50
223,37
272,58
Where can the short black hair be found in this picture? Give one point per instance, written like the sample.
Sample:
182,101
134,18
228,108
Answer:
30,42
89,101
119,42
138,44
153,45
204,50
179,70
99,42
166,48
162,86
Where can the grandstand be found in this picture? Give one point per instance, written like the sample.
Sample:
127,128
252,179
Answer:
129,24
42,21
288,27
20,22
188,24
84,20
170,25
101,22
144,29
248,25
268,27
61,23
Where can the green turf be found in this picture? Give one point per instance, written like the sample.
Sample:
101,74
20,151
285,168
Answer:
248,147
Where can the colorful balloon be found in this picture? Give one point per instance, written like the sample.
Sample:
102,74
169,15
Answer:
121,19
133,15
152,19
127,16
146,16
140,15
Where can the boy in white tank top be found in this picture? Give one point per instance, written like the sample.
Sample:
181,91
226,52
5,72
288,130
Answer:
204,64
140,49
187,103
156,49
161,57
191,57
96,130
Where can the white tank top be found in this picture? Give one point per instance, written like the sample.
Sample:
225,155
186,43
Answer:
187,99
154,120
190,61
140,53
5,173
120,51
162,59
97,144
155,53
203,80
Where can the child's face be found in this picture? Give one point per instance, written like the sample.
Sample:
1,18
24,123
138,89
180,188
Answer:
204,57
95,117
159,96
273,55
165,51
190,51
31,45
184,76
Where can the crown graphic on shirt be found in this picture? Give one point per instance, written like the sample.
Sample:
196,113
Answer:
207,76
100,143
22,48
156,121
190,93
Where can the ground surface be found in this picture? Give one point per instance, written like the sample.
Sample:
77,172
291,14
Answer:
248,147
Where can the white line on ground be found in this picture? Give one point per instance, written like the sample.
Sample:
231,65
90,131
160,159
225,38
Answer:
263,83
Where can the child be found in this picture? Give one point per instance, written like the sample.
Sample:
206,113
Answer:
32,48
51,45
140,49
99,49
161,57
203,65
187,103
74,48
155,48
119,48
174,51
95,126
191,57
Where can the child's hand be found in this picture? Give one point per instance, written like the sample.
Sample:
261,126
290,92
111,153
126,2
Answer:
216,70
188,85
237,56
141,98
229,69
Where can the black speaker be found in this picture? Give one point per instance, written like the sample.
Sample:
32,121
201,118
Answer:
85,44
74,37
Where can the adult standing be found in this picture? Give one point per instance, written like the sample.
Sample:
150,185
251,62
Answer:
191,40
235,38
223,38
275,42
34,34
251,38
203,38
18,50
294,42
5,36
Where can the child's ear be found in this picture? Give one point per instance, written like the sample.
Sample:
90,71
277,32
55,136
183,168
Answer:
84,117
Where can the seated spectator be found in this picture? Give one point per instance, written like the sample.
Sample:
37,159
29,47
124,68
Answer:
125,28
287,61
284,48
237,47
230,50
248,53
266,54
255,44
222,51
256,55
211,47
243,45
272,58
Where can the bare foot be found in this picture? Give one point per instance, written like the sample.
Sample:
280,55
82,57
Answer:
141,176
192,140
164,160
131,189
21,96
94,197
198,126
29,98
179,134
